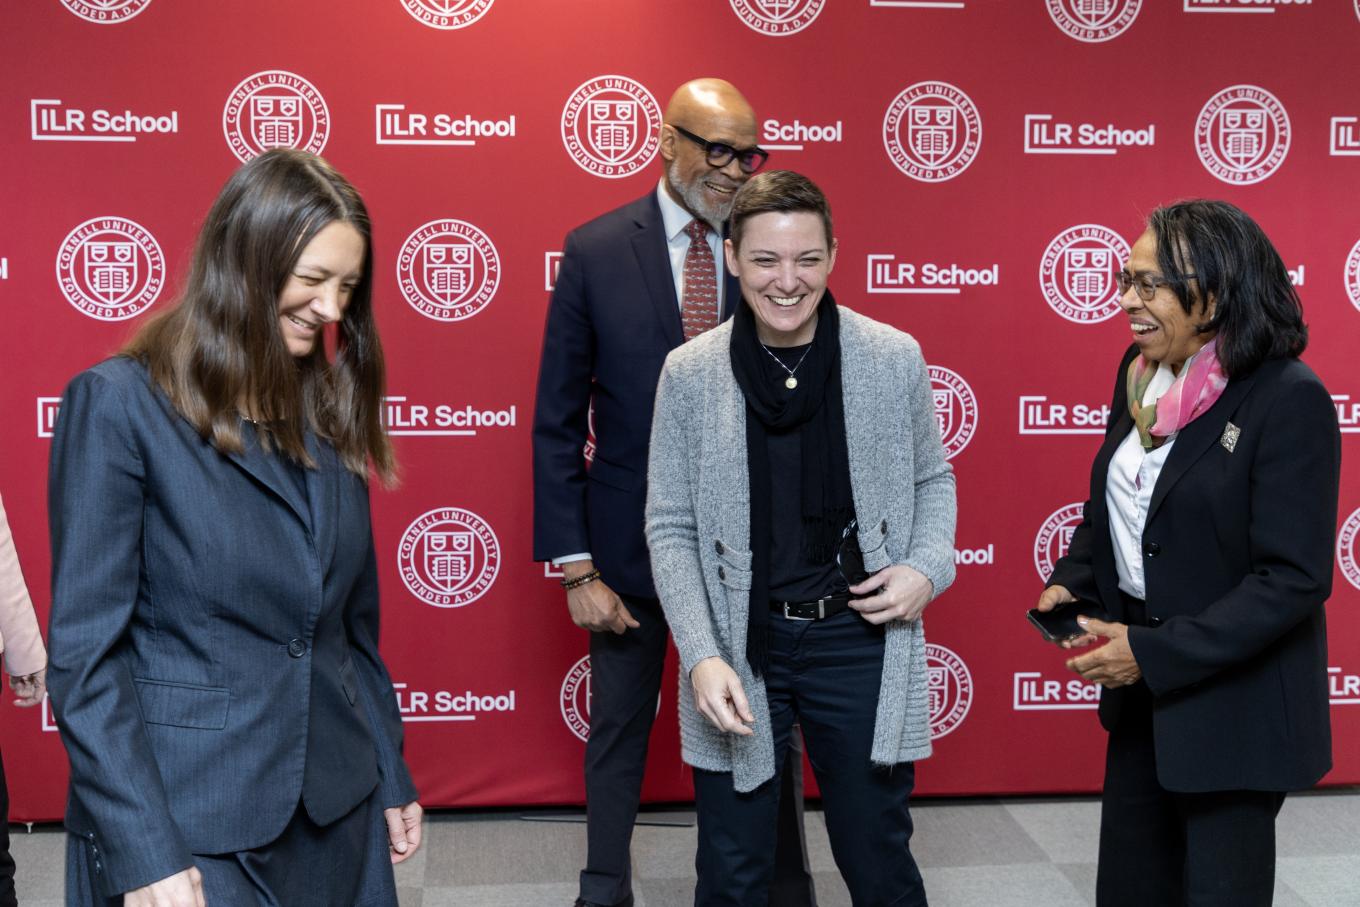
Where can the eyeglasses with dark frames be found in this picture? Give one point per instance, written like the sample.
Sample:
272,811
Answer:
1145,284
720,154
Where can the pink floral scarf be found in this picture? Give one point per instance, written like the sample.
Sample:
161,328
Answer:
1195,389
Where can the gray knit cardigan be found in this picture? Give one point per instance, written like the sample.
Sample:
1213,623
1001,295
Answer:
698,527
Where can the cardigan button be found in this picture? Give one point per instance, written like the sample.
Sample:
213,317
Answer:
722,574
883,527
719,547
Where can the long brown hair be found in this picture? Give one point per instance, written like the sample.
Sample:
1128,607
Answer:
220,349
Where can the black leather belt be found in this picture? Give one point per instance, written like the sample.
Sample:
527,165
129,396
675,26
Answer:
814,610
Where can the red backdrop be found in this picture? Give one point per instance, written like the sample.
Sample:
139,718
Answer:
987,161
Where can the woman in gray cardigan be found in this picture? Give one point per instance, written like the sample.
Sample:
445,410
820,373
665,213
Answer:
790,444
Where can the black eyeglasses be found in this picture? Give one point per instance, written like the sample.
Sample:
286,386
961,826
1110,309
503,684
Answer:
720,154
1145,284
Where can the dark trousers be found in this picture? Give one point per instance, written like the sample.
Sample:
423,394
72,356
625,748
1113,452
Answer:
7,896
1174,849
824,674
344,864
626,672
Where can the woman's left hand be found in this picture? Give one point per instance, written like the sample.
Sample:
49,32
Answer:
899,592
1112,665
403,830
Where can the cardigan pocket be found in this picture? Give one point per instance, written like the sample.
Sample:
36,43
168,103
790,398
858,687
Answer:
873,543
734,566
733,557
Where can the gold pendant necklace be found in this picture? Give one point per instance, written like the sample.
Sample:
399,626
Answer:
791,381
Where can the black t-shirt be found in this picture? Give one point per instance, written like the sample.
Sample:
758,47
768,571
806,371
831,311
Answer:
793,575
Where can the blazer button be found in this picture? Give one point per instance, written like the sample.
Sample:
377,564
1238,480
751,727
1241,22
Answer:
1154,621
297,648
722,574
1152,549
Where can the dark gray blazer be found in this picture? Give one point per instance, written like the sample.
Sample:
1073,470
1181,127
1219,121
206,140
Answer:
214,636
612,320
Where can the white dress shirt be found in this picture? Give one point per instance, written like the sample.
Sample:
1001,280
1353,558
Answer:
1128,492
674,219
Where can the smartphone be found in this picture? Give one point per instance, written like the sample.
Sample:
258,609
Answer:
850,559
1061,623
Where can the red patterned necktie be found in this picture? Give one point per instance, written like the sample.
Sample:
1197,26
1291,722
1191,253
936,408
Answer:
699,308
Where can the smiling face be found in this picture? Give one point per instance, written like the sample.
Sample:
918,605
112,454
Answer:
1163,330
716,111
317,291
783,264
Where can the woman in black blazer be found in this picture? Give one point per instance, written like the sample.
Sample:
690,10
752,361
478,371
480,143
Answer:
232,731
1208,541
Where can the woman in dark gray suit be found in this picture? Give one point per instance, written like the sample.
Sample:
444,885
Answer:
232,731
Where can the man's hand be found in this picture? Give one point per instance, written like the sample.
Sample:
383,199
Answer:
594,606
719,697
30,688
403,830
1113,664
895,592
183,889
1061,595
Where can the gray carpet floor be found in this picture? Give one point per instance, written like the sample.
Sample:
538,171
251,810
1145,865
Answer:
973,853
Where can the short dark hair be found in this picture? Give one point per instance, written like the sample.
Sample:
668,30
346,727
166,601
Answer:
781,191
220,346
1220,252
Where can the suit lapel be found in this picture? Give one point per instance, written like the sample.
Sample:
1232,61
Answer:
323,486
654,260
1196,438
265,469
731,286
1123,424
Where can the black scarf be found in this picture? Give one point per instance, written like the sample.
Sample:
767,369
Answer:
816,410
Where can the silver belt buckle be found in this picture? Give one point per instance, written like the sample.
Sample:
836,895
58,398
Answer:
789,616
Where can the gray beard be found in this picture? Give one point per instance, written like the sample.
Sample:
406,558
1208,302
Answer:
692,194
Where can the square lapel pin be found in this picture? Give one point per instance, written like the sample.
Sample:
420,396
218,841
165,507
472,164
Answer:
1230,435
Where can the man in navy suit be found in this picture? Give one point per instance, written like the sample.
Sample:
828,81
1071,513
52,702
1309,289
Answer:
634,284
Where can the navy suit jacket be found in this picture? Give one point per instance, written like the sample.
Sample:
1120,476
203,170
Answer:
214,635
1237,558
613,318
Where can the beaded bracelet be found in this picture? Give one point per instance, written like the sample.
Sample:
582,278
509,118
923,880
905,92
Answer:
581,580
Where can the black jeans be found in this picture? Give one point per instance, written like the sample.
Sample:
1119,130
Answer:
1214,849
626,671
824,674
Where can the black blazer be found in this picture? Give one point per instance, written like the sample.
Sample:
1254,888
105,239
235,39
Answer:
214,636
612,320
1237,554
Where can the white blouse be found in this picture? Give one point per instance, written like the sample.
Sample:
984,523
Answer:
1128,492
